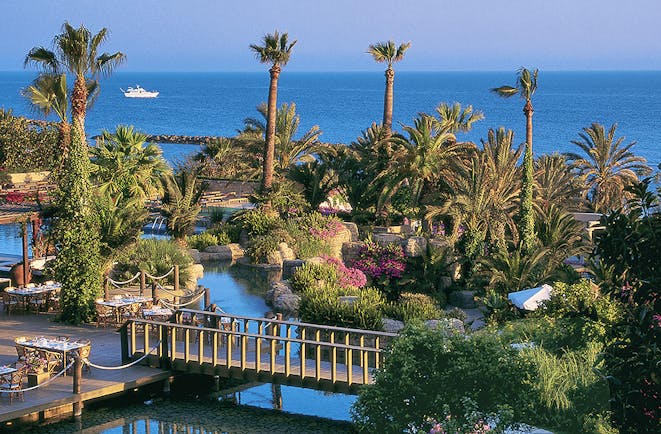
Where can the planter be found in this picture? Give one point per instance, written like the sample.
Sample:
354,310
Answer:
35,379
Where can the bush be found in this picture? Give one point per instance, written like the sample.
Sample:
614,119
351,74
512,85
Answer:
324,306
307,247
411,306
261,247
156,257
202,241
383,265
428,374
308,276
227,233
256,222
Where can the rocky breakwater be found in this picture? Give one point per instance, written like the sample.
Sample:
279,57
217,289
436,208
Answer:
173,138
281,297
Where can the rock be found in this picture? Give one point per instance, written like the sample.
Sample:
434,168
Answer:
439,243
290,266
237,251
335,243
446,323
455,271
277,289
286,252
462,299
379,230
274,258
316,260
350,251
195,254
287,303
195,272
353,229
385,239
219,253
392,325
444,282
414,247
394,229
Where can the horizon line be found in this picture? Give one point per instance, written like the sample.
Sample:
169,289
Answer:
348,71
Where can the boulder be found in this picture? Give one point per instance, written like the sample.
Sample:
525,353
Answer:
414,247
384,238
353,229
450,324
444,282
392,325
286,303
290,266
350,251
439,243
286,252
195,254
219,253
462,299
335,243
237,251
274,258
277,289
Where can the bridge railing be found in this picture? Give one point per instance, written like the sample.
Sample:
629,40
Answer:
278,347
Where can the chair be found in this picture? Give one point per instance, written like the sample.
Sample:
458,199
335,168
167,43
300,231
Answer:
13,383
105,315
9,302
38,302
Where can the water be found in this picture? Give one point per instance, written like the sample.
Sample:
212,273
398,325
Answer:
344,104
240,290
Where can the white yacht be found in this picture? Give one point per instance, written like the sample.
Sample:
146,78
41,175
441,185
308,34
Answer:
138,92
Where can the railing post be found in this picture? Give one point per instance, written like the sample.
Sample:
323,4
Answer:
349,361
176,278
288,351
303,350
143,282
77,377
333,358
317,370
154,293
165,362
106,288
207,298
124,342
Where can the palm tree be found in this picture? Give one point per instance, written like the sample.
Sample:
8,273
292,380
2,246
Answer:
125,165
453,119
526,85
606,166
275,51
182,193
555,184
288,151
389,53
76,229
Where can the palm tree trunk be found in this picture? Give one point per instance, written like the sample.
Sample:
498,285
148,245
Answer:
388,100
269,144
79,104
528,111
65,139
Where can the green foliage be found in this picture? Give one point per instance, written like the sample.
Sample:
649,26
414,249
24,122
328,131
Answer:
182,193
227,233
257,222
323,305
27,145
156,257
310,275
412,306
202,241
121,220
262,246
76,232
309,247
427,373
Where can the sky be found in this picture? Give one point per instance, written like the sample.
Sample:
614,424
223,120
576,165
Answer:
333,35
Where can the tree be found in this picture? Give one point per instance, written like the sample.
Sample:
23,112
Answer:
75,227
182,193
555,184
453,119
288,151
606,166
389,53
526,85
276,50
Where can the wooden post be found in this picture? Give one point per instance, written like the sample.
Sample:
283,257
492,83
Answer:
207,298
333,358
106,288
154,293
26,259
77,377
143,282
303,349
176,278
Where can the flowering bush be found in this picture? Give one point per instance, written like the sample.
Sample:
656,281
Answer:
322,227
35,363
378,262
347,276
15,197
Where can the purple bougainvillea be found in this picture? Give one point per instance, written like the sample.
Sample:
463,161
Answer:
378,261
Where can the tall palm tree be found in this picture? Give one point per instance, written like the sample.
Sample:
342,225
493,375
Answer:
288,151
606,166
389,53
526,85
76,229
276,50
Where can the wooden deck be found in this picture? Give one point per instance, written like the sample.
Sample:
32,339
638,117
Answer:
57,397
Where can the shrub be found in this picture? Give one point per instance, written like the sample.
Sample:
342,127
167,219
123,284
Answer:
429,374
261,247
322,227
202,241
346,276
412,306
383,265
324,306
227,233
308,276
256,222
156,257
307,247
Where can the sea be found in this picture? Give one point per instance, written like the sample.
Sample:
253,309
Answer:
343,104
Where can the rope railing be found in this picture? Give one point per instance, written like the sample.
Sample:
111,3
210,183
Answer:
45,383
128,365
117,284
164,289
160,277
178,305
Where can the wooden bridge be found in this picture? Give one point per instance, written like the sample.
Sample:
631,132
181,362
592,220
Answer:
307,355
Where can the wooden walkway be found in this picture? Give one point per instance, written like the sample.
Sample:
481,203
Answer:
307,355
57,397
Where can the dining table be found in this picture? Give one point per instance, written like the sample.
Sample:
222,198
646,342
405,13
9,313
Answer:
53,349
123,304
157,313
34,292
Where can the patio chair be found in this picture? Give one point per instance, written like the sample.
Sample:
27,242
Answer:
38,303
105,315
14,384
9,302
